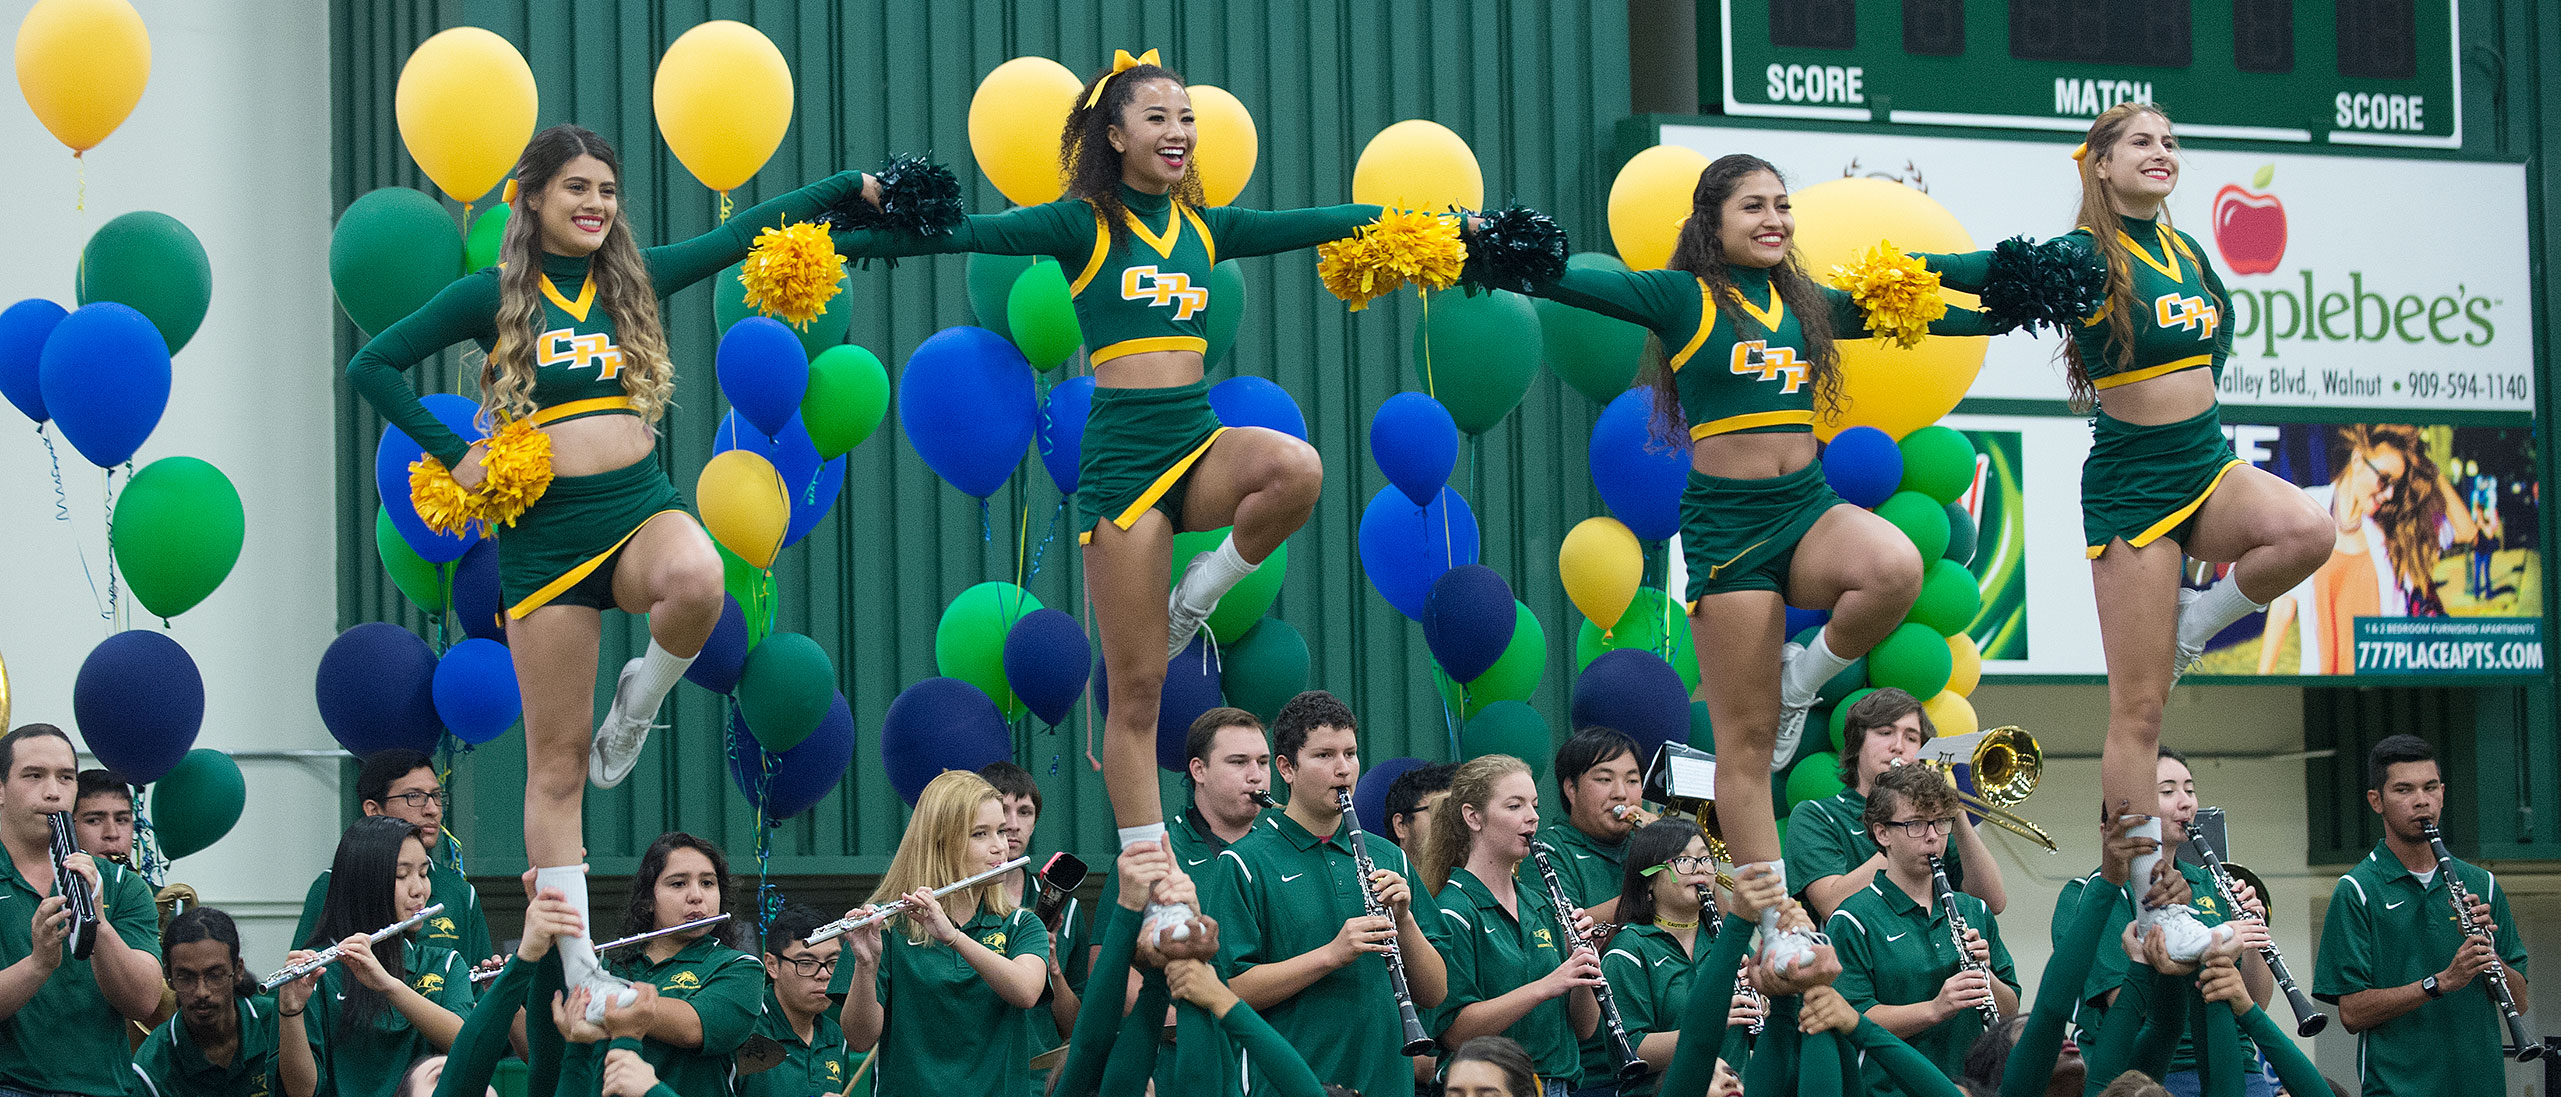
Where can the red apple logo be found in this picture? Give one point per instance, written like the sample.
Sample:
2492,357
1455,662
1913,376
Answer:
2249,227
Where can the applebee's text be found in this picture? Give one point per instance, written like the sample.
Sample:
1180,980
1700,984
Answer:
2354,313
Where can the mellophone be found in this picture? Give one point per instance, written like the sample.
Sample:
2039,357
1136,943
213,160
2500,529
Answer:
1417,1042
2528,1048
485,975
330,955
77,897
1630,1066
842,926
2308,1018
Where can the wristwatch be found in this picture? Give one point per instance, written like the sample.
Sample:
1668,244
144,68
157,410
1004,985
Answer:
2428,986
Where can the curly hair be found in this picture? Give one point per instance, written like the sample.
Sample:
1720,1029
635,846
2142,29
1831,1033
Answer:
1446,843
1089,164
622,282
641,916
2098,214
2409,518
1700,252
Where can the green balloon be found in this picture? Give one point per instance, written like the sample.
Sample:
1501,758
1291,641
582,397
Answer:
1815,777
1702,729
827,329
155,265
969,642
1514,675
1921,518
178,529
1476,355
1913,658
1226,309
419,581
1840,718
744,581
991,285
1508,727
1937,462
393,249
480,249
1948,600
1962,534
1598,355
787,688
1263,669
848,394
1041,316
197,802
1643,629
1243,606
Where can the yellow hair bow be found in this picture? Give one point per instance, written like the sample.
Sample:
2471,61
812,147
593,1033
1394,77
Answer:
508,195
1121,62
2081,151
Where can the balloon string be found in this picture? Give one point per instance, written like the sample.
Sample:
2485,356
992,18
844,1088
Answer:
1428,384
1048,533
61,499
147,858
1022,547
769,895
107,499
724,207
1095,763
80,164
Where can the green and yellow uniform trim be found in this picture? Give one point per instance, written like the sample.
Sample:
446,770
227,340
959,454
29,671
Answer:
725,988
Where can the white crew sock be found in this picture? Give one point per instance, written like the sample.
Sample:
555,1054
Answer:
660,670
1805,674
1209,576
1145,832
2215,610
579,966
2140,882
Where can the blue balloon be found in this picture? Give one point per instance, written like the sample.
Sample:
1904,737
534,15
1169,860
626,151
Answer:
475,690
764,371
1415,443
965,400
1046,661
1467,620
801,776
724,657
1062,430
105,376
1863,465
1799,620
376,690
139,702
1636,692
1244,401
479,606
1640,476
935,725
1191,688
1405,548
23,329
1369,796
813,484
391,460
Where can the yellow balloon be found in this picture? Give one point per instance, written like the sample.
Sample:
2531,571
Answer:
466,105
723,97
1894,390
744,505
1951,714
1967,661
1014,123
81,65
1228,144
1418,164
1649,200
1601,564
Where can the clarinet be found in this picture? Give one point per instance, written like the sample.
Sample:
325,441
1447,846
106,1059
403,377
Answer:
1417,1042
1714,922
1630,1067
2308,1018
82,937
2528,1049
1989,1007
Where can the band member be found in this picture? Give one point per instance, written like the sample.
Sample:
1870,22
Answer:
1662,897
1512,971
2403,975
1491,1066
1296,941
709,994
226,1041
967,966
102,816
1411,799
1899,958
62,1020
1068,951
1596,770
402,784
384,1003
1829,856
797,1014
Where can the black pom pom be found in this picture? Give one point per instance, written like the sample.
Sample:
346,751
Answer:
2051,285
1514,249
917,197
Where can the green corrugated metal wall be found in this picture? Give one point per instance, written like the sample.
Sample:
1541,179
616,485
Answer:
1532,86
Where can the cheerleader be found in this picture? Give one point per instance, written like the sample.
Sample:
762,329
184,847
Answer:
382,1004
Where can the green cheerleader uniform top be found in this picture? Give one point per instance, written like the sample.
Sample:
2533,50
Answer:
2181,319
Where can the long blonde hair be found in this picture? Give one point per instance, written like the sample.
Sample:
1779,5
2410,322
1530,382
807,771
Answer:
1445,843
934,851
2098,214
623,289
2409,518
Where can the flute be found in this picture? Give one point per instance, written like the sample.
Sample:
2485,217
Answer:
1630,1066
1990,1006
842,926
330,955
1417,1042
698,923
2308,1018
2528,1049
82,935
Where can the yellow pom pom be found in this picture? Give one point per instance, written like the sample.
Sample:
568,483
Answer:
518,464
1897,292
1398,248
792,272
439,501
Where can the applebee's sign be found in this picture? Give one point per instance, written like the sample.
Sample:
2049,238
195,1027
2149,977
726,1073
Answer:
2336,302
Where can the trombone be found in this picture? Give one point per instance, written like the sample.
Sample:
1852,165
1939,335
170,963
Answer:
2006,762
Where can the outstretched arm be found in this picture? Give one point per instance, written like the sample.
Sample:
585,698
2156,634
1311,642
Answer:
1660,300
675,266
1239,232
467,309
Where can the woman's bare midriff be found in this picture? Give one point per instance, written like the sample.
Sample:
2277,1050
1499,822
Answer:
1751,456
2169,398
1155,369
598,443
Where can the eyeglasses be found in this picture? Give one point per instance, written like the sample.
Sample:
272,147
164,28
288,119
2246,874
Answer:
1684,863
418,798
211,980
2383,481
1915,828
811,967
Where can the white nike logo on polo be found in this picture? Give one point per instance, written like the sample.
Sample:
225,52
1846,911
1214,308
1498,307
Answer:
1898,936
1663,961
1286,879
2394,906
1190,861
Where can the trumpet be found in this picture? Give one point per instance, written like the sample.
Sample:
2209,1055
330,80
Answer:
842,926
1632,815
609,946
330,955
2006,762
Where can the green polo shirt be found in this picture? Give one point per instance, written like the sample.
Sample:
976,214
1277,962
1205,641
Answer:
1194,846
819,1064
369,1062
1826,838
944,1030
1280,892
1490,953
169,1064
2108,971
2386,929
67,1038
1650,975
726,987
1896,952
1592,871
461,927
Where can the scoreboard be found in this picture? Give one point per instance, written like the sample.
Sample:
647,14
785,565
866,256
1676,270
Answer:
2348,72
